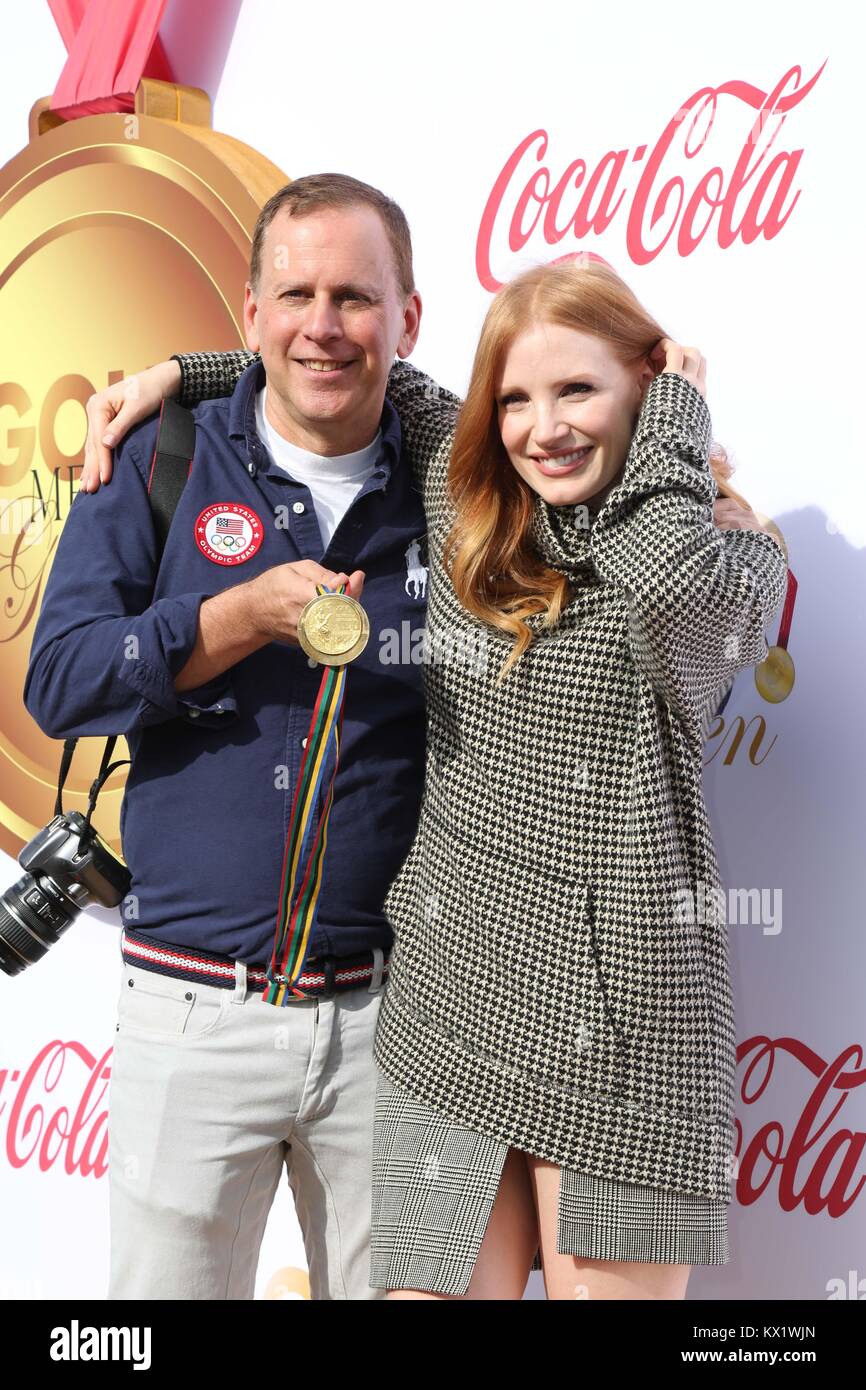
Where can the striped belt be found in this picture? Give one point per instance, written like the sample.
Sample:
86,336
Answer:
322,976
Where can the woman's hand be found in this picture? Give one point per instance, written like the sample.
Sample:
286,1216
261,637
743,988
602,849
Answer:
669,356
112,412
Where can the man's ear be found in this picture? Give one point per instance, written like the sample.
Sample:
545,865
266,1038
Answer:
251,331
411,325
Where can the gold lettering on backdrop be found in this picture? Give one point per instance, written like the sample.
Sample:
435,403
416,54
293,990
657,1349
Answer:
736,728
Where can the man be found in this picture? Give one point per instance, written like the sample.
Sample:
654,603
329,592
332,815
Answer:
199,666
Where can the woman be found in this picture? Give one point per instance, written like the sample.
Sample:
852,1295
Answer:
556,1043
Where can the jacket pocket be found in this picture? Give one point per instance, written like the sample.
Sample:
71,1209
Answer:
500,955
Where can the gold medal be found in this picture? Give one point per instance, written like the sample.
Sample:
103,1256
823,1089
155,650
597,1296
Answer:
154,200
333,628
774,676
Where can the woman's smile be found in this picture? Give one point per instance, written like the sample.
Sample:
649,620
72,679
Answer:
558,465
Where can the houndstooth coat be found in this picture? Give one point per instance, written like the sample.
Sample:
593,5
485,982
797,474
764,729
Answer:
560,977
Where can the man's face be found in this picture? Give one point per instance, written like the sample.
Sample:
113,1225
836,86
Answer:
567,410
329,298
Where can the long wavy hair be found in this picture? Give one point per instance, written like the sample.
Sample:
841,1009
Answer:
496,573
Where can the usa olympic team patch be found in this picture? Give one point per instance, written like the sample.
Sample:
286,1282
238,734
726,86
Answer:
228,533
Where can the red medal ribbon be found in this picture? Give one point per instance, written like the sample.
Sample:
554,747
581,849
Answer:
787,612
112,44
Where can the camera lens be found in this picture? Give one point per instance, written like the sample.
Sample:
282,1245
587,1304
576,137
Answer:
32,917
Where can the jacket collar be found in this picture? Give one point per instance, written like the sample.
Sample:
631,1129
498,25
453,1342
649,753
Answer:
242,422
561,536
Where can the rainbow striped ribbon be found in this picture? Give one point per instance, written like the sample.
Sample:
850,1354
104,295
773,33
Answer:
295,923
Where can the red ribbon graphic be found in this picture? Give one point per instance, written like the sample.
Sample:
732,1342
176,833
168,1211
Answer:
112,44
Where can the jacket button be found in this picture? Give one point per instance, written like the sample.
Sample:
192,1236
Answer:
188,995
298,507
312,662
251,469
194,713
303,743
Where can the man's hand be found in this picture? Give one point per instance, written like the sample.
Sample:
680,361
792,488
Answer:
730,516
277,596
234,624
112,412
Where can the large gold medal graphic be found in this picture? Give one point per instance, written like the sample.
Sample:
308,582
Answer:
124,238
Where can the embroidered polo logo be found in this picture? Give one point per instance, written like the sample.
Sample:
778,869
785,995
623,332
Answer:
228,533
416,572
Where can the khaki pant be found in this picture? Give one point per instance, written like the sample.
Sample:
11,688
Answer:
212,1091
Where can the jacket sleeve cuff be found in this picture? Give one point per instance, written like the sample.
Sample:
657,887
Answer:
674,402
157,652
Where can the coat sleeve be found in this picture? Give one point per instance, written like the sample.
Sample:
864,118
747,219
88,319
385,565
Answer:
206,375
104,653
699,597
428,417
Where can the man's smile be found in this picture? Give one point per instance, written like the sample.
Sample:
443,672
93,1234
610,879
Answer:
326,367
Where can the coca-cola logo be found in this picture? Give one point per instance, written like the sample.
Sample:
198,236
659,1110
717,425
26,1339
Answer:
811,1162
529,201
74,1133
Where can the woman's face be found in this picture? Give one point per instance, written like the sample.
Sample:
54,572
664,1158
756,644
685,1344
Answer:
567,411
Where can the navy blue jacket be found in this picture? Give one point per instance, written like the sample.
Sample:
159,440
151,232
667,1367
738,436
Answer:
209,792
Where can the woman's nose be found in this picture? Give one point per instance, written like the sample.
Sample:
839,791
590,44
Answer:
551,433
549,418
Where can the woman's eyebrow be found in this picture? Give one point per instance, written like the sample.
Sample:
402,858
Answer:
572,376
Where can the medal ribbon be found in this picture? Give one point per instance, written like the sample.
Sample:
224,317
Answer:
787,612
112,44
305,852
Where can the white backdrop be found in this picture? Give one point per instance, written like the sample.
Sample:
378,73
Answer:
430,104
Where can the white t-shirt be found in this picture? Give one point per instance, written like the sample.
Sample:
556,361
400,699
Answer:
334,482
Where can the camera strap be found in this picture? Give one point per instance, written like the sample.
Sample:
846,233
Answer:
105,770
170,468
169,471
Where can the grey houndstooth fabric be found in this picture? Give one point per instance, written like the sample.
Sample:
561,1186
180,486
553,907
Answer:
434,1186
545,986
435,1183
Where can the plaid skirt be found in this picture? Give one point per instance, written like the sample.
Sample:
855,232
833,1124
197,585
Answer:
435,1182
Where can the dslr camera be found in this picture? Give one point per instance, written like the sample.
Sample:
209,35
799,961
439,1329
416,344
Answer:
68,866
